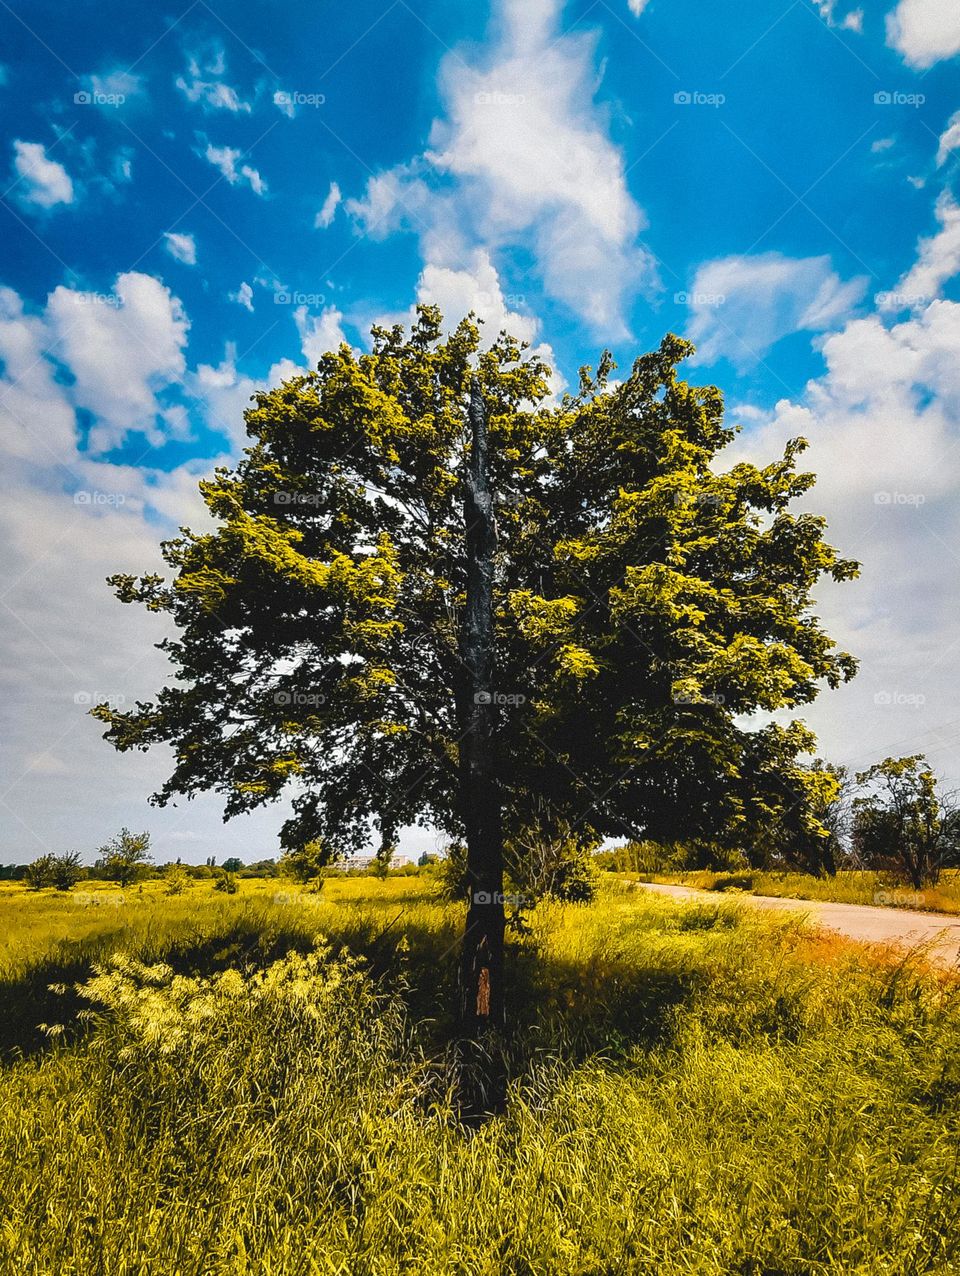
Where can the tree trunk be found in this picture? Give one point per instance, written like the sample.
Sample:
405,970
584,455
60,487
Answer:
481,963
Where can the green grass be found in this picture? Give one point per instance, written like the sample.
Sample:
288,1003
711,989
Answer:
849,887
696,1089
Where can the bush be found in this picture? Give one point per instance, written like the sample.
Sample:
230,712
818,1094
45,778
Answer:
733,882
60,871
226,882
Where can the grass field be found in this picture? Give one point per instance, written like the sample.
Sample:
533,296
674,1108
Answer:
858,886
259,1084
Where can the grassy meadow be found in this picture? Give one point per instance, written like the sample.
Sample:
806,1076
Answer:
259,1083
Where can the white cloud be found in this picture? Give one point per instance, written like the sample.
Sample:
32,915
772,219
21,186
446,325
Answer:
522,158
122,348
212,94
329,207
637,6
938,260
742,305
243,296
852,20
115,86
181,247
949,139
43,182
925,31
883,423
319,333
225,159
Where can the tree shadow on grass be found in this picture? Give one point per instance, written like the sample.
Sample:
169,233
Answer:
555,1006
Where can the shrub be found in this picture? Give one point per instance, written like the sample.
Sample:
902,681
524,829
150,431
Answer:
226,882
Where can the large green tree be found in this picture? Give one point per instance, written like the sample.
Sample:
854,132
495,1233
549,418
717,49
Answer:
434,593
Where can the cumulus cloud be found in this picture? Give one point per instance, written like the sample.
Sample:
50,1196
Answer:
743,305
42,182
925,31
243,296
122,348
329,207
225,159
319,333
883,423
522,157
181,247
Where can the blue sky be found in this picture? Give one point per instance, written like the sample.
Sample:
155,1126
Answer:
199,200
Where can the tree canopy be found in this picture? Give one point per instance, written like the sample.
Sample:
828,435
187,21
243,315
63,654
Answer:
646,602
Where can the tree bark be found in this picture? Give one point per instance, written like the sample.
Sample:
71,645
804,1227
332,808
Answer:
481,963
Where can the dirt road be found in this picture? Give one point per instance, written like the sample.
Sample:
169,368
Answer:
899,926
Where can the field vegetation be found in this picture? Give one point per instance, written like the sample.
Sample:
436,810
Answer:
257,1082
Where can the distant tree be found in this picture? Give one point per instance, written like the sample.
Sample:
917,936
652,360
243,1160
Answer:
124,857
433,592
903,823
425,858
226,882
40,872
233,864
305,863
380,865
60,871
67,870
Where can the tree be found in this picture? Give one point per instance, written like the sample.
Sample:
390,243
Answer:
233,864
124,856
61,871
903,823
433,595
305,863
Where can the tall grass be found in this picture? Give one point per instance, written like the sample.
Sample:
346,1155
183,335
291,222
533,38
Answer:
853,886
256,1085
